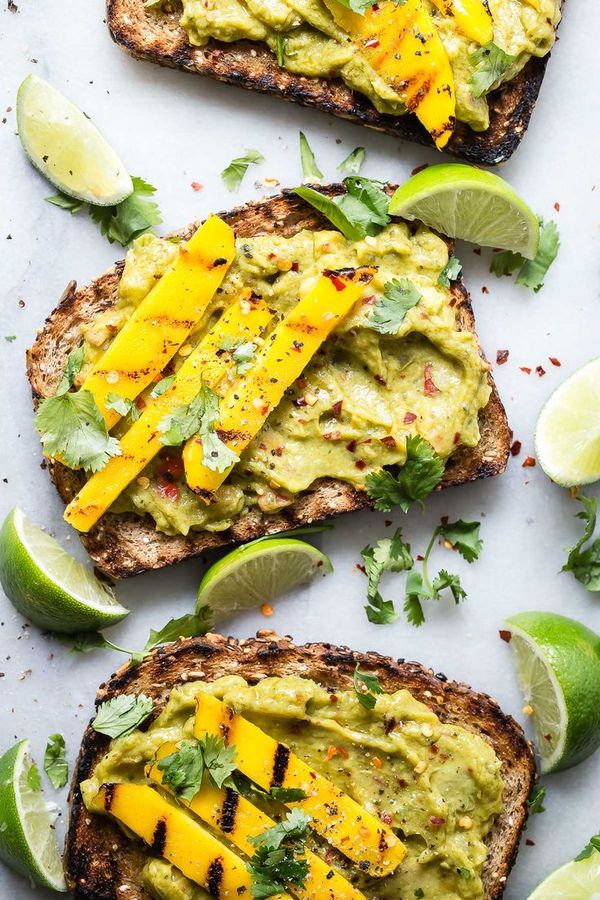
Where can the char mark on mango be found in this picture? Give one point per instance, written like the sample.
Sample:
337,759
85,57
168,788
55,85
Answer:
229,810
214,877
159,838
280,765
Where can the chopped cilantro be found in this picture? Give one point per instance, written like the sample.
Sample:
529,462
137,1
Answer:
132,217
310,169
287,795
199,417
184,769
122,714
387,555
366,687
531,271
536,798
123,406
593,846
72,427
353,163
491,62
56,766
232,176
10,338
450,272
162,386
361,211
584,561
416,479
399,296
279,857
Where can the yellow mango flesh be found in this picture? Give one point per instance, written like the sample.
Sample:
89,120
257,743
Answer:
174,835
164,319
471,16
289,349
238,819
402,44
335,816
245,319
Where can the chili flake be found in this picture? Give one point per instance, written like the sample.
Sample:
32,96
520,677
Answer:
515,448
555,361
501,357
529,462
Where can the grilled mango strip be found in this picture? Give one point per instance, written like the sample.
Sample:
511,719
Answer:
472,17
163,320
174,835
245,319
238,819
402,44
289,349
335,816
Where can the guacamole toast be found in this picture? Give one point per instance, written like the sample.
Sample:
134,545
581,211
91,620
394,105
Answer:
101,862
155,34
125,542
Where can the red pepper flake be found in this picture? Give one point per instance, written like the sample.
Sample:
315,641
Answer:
300,401
361,568
338,284
540,371
420,558
386,818
485,290
525,369
351,446
360,464
388,522
477,251
428,385
437,820
501,357
505,636
529,842
444,520
277,451
389,442
457,438
557,206
372,42
294,267
196,186
555,361
515,448
529,462
336,409
297,346
170,468
140,404
409,417
168,489
419,169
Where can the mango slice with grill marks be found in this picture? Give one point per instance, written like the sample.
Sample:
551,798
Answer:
360,836
472,18
287,351
244,320
402,44
238,819
164,318
173,834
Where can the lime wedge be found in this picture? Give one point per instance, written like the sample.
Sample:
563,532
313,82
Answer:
27,839
468,203
558,664
567,435
577,880
47,585
258,573
67,149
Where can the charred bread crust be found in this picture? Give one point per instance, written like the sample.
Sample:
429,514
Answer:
126,544
156,36
101,864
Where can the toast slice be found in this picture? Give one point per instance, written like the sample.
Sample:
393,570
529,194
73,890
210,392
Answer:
125,544
102,864
156,36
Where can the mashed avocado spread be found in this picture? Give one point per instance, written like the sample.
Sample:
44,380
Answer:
360,397
308,42
437,785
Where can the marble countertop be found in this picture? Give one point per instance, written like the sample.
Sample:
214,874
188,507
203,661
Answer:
173,130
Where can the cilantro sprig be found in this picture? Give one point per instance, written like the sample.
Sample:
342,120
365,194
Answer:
71,425
531,272
199,418
593,846
361,211
121,715
584,561
387,555
399,296
415,480
183,770
279,858
121,223
491,62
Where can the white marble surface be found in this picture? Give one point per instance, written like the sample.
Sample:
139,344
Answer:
175,129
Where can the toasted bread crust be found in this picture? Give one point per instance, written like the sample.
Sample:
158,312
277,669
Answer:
99,860
156,36
126,544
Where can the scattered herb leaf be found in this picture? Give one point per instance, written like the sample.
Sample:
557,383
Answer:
121,715
55,762
134,216
366,687
361,211
33,778
72,427
399,296
232,176
162,386
310,169
287,795
536,799
416,479
123,406
584,562
183,770
491,62
279,856
199,417
353,163
450,272
592,846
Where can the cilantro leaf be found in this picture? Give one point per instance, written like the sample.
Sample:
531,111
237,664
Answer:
387,555
243,356
450,272
536,799
359,6
123,406
399,296
366,687
592,846
310,169
122,714
491,63
464,537
415,593
445,580
533,271
420,474
190,625
218,759
353,163
505,263
71,204
361,211
56,766
72,427
287,795
199,417
72,369
380,611
88,641
280,47
132,217
233,174
279,856
584,562
33,778
183,770
162,386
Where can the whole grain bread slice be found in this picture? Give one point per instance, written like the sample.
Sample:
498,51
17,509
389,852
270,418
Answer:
102,864
126,544
155,35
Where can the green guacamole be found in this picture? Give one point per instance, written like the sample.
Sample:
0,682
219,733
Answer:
355,404
442,813
308,42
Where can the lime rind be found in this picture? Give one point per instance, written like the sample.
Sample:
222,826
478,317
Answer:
577,880
464,202
567,434
27,842
68,150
